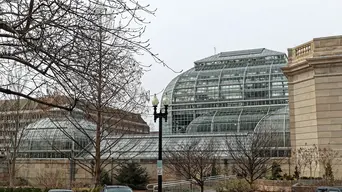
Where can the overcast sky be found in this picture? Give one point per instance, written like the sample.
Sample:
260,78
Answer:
187,30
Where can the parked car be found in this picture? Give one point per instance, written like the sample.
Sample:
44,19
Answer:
60,190
329,189
116,188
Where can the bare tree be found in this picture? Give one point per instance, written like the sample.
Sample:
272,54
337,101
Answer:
109,98
312,156
14,109
84,50
306,157
326,158
193,159
51,40
51,179
252,153
111,94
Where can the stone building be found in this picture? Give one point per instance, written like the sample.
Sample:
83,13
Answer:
314,73
236,92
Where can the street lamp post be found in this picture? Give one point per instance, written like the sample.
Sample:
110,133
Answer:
160,115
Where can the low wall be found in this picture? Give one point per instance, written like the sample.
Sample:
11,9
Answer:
38,171
49,171
275,185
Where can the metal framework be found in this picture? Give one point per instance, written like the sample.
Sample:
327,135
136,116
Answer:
245,85
50,138
224,94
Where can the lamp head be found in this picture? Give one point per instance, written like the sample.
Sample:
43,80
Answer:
166,100
155,101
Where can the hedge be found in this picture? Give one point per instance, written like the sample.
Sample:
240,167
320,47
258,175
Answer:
97,189
8,189
28,189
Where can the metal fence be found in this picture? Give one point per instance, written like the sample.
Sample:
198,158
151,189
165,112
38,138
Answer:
188,185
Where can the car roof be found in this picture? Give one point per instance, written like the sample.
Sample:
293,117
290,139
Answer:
329,188
116,186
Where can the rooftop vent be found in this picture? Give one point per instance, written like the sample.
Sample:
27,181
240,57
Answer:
242,52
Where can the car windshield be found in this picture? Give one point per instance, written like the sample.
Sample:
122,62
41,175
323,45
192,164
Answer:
328,190
321,190
118,189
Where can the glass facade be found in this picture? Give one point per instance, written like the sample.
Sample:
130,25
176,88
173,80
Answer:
51,138
229,92
224,94
145,147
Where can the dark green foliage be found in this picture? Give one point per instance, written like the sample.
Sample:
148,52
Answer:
287,177
214,170
132,175
22,182
105,178
328,175
96,189
276,170
36,190
296,173
20,190
5,189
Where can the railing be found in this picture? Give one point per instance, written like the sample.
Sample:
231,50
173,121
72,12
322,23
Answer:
303,49
188,185
300,52
177,185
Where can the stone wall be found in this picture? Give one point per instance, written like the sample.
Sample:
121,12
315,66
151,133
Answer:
57,171
40,172
314,75
53,171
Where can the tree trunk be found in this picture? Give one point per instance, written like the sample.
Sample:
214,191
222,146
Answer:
13,154
99,117
251,184
249,181
12,173
202,187
97,157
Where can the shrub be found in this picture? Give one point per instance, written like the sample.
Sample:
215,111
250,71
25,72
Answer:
276,170
22,181
328,173
52,179
133,175
235,185
214,170
105,178
287,177
8,189
296,173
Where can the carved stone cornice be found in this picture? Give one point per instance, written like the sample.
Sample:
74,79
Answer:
318,53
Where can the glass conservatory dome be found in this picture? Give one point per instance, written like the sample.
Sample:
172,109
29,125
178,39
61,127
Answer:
229,91
276,121
51,138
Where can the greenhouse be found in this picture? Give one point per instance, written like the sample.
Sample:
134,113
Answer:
56,138
222,96
228,92
145,147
